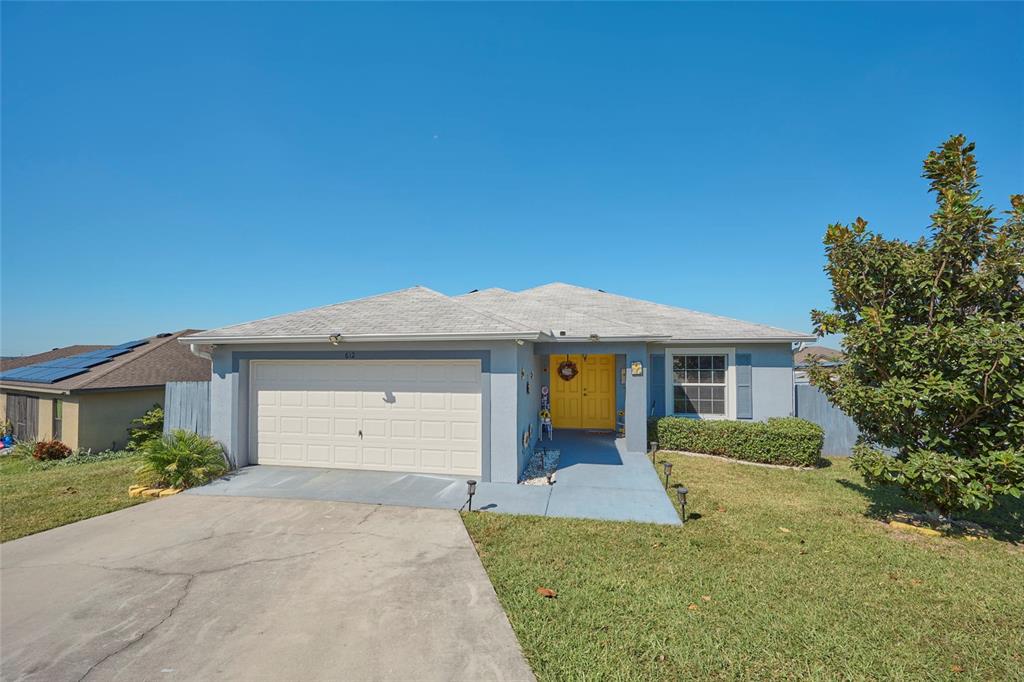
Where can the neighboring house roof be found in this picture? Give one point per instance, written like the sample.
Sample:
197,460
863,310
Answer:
827,356
542,313
159,360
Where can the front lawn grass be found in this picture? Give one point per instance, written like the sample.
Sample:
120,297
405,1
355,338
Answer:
32,500
785,574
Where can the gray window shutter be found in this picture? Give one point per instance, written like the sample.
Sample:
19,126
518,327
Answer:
657,397
744,389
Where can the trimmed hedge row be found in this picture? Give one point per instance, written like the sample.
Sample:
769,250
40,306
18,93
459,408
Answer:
780,440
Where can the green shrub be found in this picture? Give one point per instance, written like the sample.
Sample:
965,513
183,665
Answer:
181,459
783,440
943,482
50,449
80,457
148,427
24,448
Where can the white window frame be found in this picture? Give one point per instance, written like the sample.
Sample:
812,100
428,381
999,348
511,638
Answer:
730,380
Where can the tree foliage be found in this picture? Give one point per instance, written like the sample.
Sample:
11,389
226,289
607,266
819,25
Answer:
933,332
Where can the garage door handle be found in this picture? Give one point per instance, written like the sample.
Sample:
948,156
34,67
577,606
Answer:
360,433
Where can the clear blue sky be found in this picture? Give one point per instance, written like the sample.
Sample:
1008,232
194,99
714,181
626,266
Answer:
194,165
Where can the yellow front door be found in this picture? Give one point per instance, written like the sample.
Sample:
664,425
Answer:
587,401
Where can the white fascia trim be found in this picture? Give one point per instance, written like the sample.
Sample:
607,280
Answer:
34,388
323,338
781,339
604,339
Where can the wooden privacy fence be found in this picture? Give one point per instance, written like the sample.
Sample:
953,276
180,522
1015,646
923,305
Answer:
840,431
187,406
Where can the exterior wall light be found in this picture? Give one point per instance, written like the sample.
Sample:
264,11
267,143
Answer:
471,489
335,339
681,491
595,337
668,471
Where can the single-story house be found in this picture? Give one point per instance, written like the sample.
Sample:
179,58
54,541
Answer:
417,381
87,396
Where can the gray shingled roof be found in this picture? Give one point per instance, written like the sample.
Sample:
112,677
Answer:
654,319
542,312
417,311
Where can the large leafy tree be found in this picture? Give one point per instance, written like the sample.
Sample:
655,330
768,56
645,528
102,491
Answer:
933,332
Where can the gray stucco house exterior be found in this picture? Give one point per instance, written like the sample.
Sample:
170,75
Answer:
418,381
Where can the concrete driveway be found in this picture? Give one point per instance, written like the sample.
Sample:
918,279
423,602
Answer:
201,587
596,479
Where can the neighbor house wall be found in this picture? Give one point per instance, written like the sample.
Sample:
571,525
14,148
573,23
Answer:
44,416
500,444
44,430
104,418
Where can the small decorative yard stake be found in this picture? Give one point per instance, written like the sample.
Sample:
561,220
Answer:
668,471
681,491
471,487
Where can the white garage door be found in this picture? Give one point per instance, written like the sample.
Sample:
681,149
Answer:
389,415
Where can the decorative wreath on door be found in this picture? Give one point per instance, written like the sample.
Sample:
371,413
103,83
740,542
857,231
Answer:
568,370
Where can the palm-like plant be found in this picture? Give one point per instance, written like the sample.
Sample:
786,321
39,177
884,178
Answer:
181,459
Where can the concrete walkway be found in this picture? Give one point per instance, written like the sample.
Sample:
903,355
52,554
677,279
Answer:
596,479
240,588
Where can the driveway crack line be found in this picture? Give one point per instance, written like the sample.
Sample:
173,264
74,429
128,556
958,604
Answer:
132,642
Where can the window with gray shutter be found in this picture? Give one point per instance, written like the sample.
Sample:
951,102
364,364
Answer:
744,387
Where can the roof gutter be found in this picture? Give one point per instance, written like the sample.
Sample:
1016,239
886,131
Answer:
762,339
194,349
357,338
35,388
595,338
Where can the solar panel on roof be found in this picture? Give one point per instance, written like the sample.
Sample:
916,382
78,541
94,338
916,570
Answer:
41,375
63,368
76,361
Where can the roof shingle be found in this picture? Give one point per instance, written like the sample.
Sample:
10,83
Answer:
544,311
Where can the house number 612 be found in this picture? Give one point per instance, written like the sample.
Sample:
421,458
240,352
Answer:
350,355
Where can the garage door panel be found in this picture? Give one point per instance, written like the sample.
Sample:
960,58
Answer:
375,428
318,426
465,402
403,428
318,454
465,431
291,425
465,461
319,399
433,430
346,455
433,401
375,456
347,428
347,399
413,415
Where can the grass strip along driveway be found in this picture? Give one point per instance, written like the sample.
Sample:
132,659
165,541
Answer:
784,574
33,500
